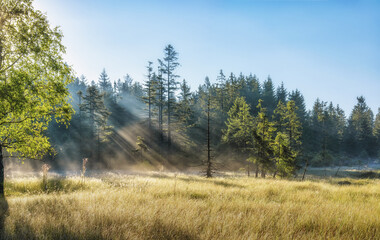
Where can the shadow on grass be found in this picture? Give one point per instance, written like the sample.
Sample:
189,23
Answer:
159,231
3,215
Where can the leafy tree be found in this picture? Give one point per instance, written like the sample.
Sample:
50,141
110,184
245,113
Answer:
33,80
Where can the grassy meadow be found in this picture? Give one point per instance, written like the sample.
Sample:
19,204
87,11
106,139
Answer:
170,206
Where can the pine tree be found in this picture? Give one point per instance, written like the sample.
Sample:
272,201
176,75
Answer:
168,65
239,125
183,108
361,124
268,96
160,101
97,114
281,94
287,143
253,93
150,92
221,89
264,130
207,103
104,82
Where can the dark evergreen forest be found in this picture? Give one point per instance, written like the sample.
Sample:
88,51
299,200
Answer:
227,123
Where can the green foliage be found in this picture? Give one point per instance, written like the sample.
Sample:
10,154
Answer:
239,125
287,144
264,133
96,113
33,79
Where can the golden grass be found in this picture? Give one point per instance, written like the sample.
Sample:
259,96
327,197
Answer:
189,207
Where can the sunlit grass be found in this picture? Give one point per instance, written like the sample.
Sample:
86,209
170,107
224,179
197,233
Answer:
168,206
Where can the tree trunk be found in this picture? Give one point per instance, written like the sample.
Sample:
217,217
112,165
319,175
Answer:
304,172
1,172
209,171
257,171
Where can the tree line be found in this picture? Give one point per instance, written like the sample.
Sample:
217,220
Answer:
236,116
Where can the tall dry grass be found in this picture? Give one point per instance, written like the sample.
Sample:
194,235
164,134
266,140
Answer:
190,207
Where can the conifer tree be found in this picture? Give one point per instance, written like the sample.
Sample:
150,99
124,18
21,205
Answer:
264,130
221,90
253,93
281,94
168,65
150,92
105,85
97,114
183,108
268,96
361,125
239,125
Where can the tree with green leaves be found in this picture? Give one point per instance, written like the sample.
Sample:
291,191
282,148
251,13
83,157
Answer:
168,66
33,81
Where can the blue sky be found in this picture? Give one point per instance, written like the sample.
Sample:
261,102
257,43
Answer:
327,49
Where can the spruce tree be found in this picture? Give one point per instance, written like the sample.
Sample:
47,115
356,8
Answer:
268,96
150,92
97,114
264,130
281,94
105,85
168,65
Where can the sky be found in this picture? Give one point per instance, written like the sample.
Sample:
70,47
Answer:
328,49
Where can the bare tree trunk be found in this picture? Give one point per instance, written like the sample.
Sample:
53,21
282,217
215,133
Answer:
209,171
304,172
169,130
1,172
257,171
336,174
263,173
